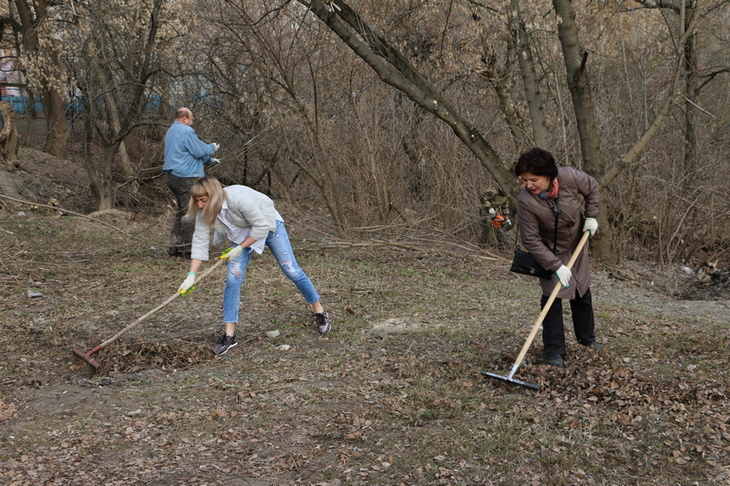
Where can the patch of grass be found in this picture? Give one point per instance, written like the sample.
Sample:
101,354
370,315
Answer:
393,395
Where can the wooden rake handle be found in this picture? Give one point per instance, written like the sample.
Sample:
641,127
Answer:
148,314
546,307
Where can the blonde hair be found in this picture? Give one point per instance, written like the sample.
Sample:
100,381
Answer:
211,188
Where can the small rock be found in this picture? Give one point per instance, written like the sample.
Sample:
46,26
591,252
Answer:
284,347
34,295
272,334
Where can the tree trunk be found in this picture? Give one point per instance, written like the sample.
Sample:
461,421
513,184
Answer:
56,124
575,58
100,175
691,90
9,137
499,80
540,132
112,112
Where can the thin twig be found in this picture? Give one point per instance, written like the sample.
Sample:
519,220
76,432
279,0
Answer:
56,208
407,351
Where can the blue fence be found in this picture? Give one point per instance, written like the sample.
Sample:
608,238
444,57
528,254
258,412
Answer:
21,104
75,106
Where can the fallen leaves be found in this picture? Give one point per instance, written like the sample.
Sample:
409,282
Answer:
7,411
136,355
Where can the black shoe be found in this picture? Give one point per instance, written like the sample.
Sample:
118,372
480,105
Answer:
555,360
323,322
593,345
179,251
225,343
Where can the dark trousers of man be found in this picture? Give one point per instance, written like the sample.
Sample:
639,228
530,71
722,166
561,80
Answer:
584,323
181,236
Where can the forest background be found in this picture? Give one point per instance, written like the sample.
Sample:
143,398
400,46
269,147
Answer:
398,115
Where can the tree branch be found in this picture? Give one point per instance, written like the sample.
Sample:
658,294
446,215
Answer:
396,71
631,155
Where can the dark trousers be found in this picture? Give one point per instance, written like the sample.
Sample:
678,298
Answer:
584,323
181,236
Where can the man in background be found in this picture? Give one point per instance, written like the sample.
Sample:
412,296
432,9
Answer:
186,157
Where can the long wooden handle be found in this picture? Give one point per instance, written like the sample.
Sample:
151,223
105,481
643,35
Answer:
148,314
546,307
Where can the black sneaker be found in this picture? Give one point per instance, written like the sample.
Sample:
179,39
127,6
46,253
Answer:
323,322
179,251
555,360
225,343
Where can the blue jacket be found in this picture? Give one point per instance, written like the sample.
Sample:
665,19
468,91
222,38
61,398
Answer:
185,153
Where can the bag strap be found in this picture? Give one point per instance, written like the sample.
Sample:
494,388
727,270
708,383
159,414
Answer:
557,212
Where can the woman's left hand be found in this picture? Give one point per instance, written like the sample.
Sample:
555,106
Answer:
234,253
590,225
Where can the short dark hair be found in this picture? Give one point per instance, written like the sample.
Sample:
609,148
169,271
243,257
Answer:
538,162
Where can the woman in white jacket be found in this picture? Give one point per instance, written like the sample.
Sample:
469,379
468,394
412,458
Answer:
250,221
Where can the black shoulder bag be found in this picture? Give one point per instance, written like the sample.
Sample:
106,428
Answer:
525,263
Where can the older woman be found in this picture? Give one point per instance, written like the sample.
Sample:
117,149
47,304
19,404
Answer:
551,224
250,221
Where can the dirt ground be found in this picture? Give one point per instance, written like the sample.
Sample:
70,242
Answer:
394,395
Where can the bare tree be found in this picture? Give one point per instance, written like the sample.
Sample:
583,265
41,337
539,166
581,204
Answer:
114,62
540,131
257,48
687,13
34,24
394,69
576,65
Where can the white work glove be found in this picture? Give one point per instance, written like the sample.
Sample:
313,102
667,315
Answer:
234,253
591,225
189,281
564,275
216,146
212,162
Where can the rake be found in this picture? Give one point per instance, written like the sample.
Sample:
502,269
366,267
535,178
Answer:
94,363
509,378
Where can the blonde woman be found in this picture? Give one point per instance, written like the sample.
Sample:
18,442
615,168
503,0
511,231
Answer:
250,221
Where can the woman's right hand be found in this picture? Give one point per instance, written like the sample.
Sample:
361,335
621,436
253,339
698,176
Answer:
564,274
189,281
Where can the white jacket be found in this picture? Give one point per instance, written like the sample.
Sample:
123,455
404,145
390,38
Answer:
247,208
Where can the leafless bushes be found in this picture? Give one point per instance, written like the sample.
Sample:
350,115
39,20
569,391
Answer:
328,130
301,116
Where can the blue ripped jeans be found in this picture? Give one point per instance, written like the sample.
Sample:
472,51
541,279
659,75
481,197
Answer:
278,242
